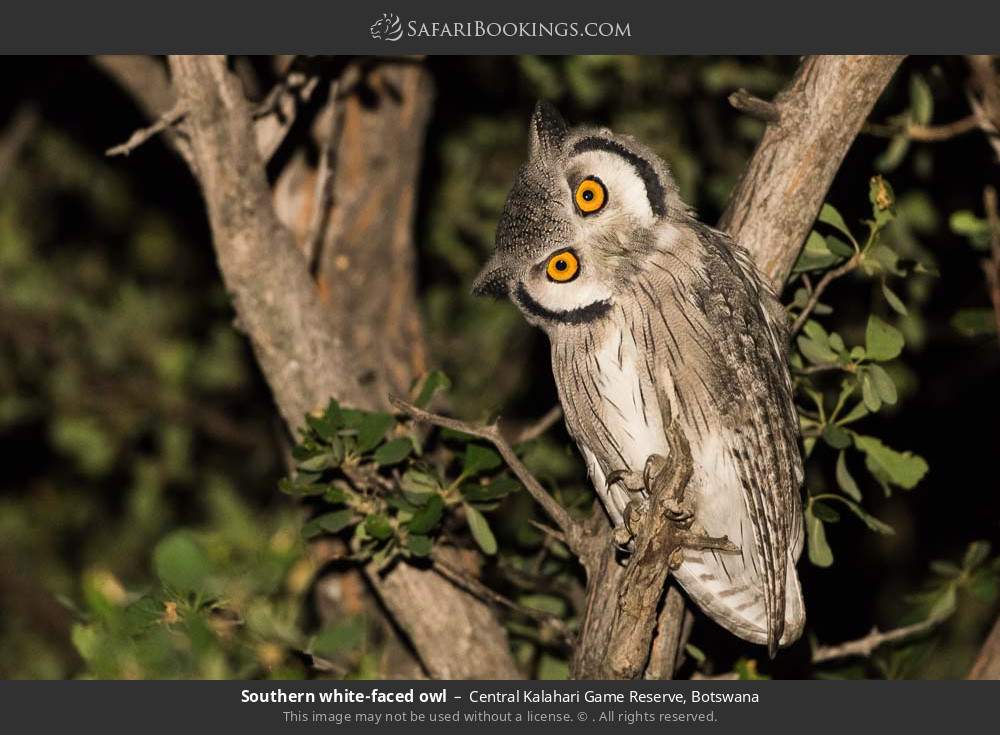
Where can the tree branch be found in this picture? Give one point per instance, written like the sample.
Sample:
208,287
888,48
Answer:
991,265
755,106
776,201
828,278
987,664
167,120
304,362
867,645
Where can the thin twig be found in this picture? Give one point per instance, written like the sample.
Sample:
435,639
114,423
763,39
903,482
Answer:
867,645
754,106
167,120
822,368
475,587
825,281
983,93
539,427
925,133
991,265
572,530
549,531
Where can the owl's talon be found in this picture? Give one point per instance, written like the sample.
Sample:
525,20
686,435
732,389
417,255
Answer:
679,514
624,539
631,481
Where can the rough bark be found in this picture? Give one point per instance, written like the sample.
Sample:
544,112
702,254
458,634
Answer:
303,357
813,123
773,207
987,665
381,136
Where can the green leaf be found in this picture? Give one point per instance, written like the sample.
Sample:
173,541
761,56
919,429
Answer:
946,569
814,330
341,637
500,487
180,563
836,437
427,386
869,395
839,247
881,258
815,352
428,516
328,423
372,429
418,486
975,322
335,493
820,553
921,100
844,479
975,554
419,545
378,527
331,522
300,489
869,520
883,384
546,603
696,653
904,469
882,341
815,255
895,303
316,463
976,229
480,530
829,215
945,604
893,154
858,412
551,668
393,452
824,512
479,459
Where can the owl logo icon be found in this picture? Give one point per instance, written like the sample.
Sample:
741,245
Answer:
387,28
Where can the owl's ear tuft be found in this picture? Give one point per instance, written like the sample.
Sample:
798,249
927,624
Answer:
548,130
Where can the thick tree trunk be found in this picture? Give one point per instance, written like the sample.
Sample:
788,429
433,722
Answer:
773,207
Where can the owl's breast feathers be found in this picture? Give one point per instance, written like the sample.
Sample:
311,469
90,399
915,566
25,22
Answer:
697,334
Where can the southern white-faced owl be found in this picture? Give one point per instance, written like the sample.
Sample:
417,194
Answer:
656,318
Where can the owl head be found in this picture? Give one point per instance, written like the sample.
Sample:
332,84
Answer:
584,208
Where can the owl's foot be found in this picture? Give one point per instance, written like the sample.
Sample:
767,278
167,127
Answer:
631,481
658,475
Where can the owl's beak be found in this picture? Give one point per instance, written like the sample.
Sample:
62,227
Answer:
493,280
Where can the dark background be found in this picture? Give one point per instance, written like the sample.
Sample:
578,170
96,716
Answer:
130,407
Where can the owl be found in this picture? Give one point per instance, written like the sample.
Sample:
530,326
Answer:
657,321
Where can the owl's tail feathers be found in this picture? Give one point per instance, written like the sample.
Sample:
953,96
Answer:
733,596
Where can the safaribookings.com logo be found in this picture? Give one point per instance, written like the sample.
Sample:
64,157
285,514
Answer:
390,28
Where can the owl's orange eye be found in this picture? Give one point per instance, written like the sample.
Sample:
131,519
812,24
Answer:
562,267
590,195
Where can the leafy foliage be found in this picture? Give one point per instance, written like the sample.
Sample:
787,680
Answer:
383,484
840,385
